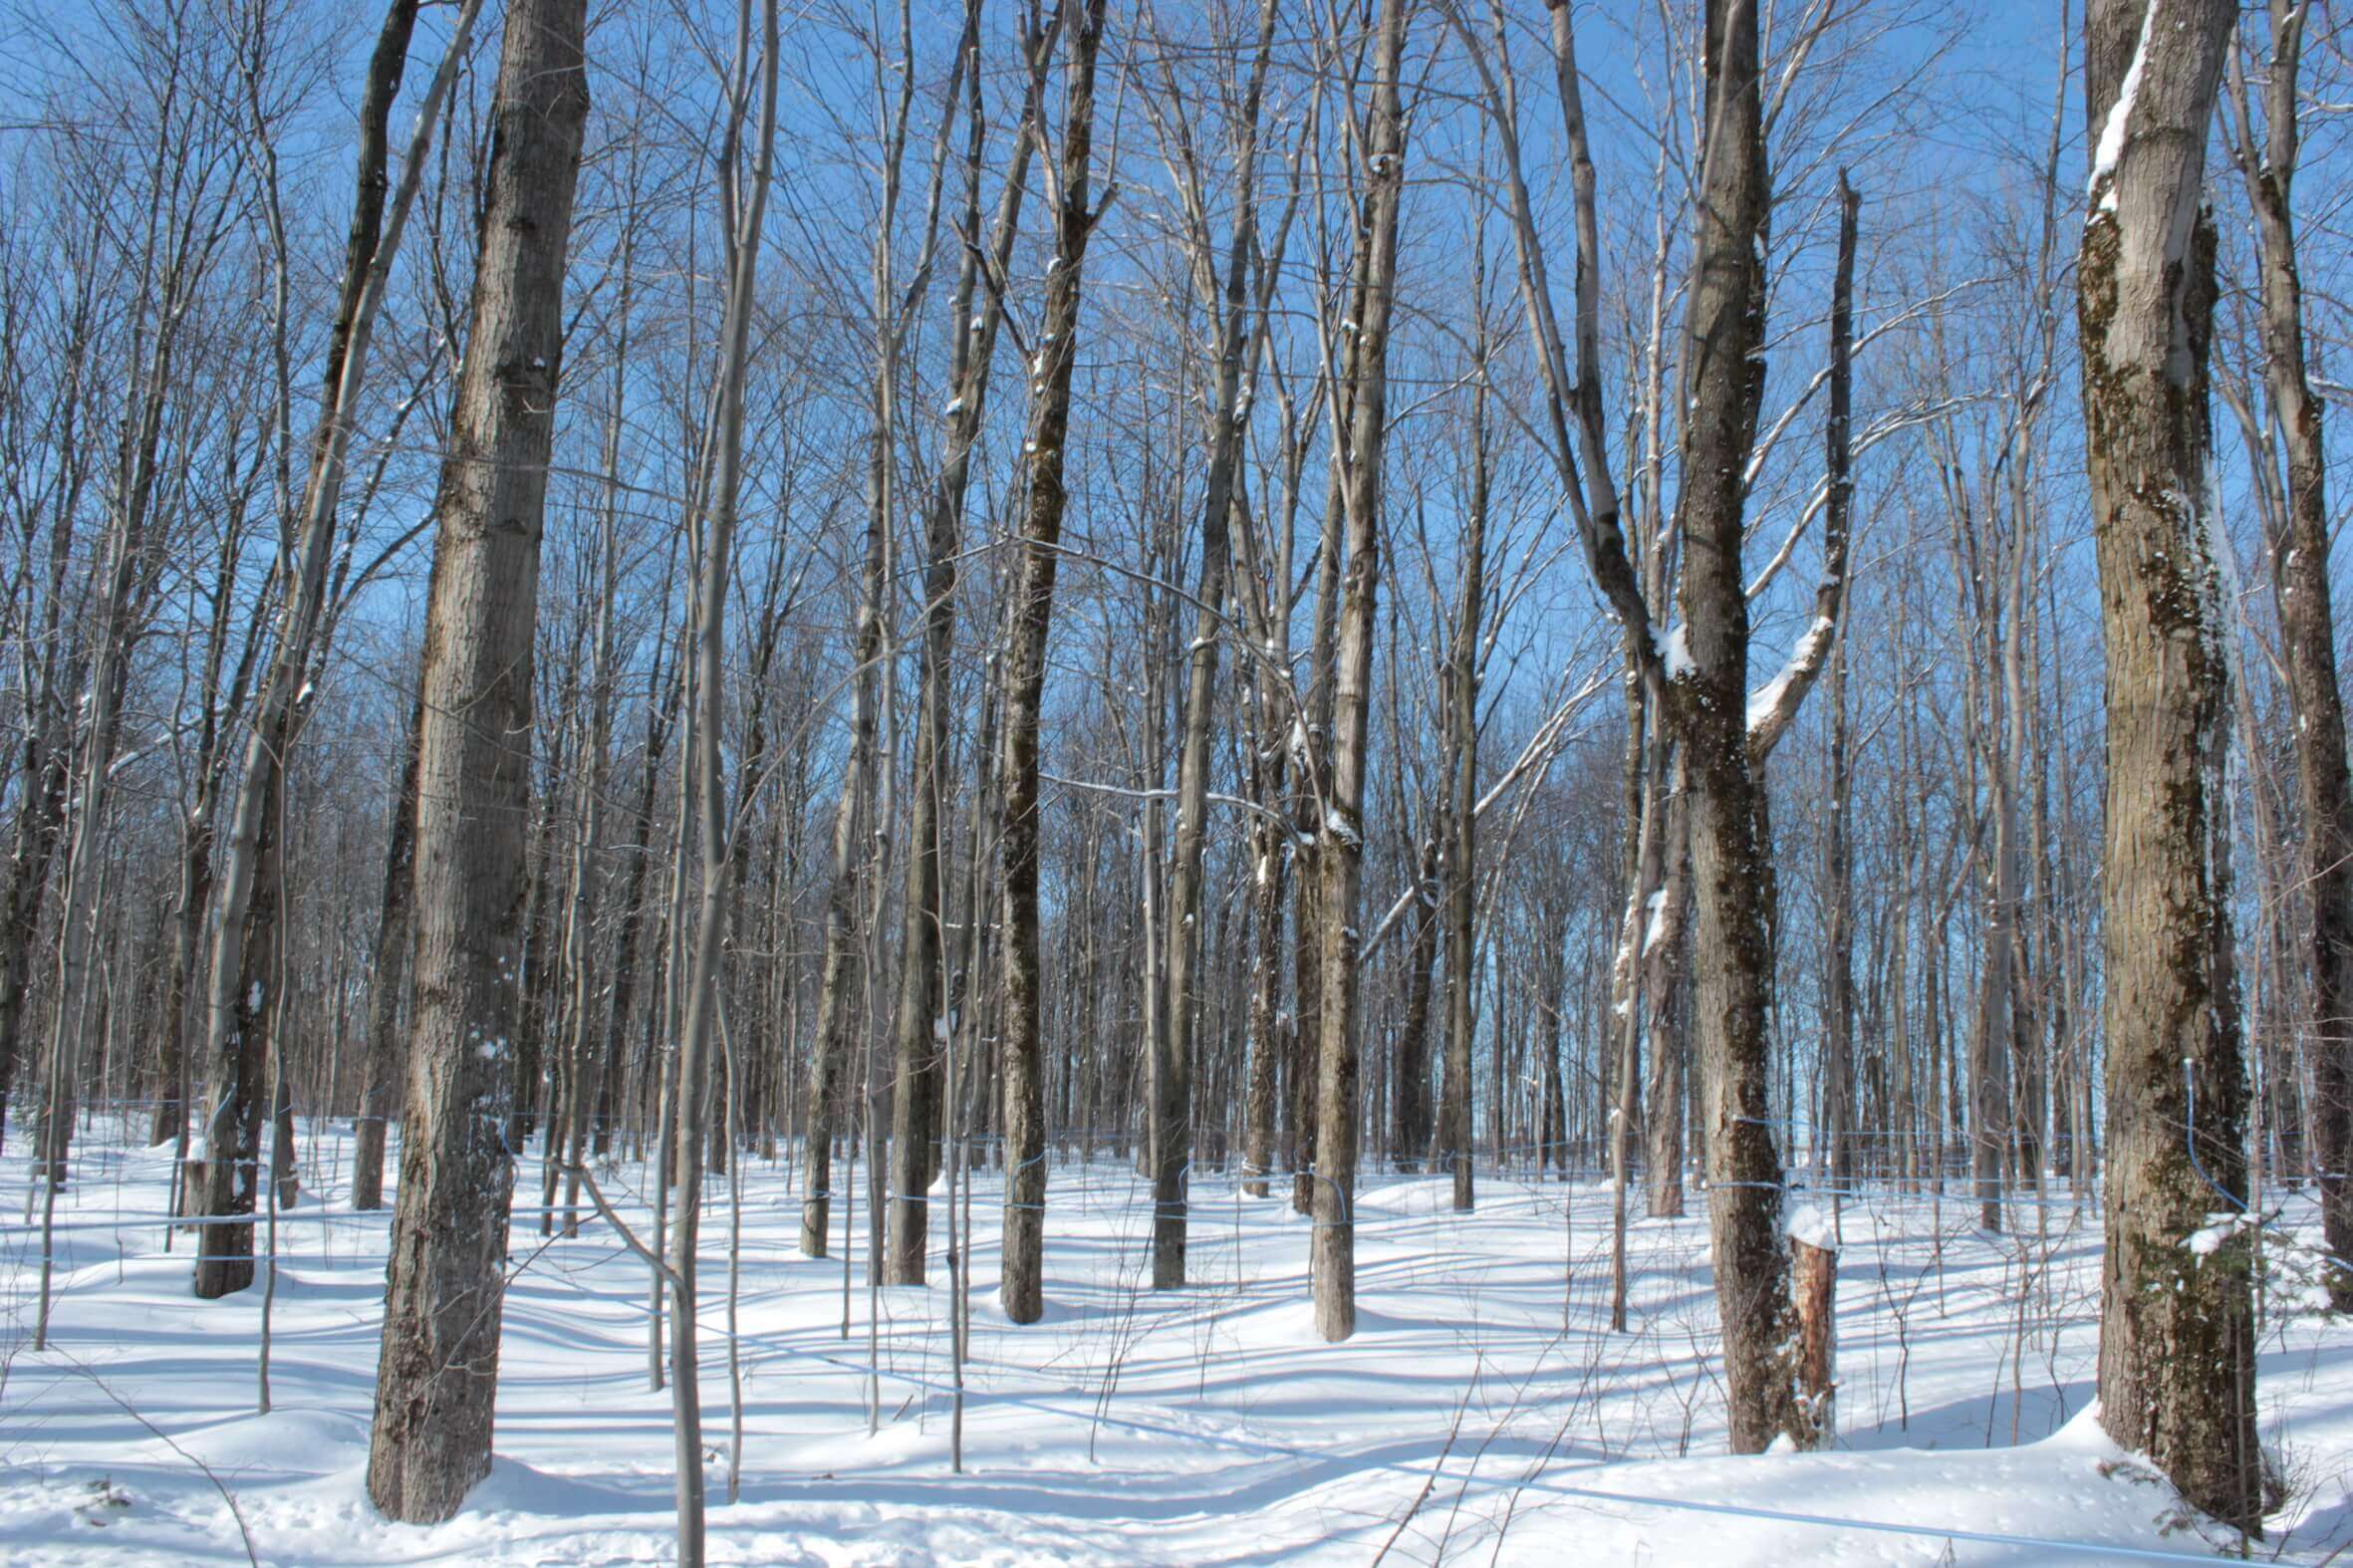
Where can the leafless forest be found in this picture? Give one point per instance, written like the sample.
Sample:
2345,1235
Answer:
1729,599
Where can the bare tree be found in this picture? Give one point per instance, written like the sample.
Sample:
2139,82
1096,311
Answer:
239,988
1340,836
1172,1072
745,213
1031,615
2177,1333
854,834
437,1374
2306,619
917,1025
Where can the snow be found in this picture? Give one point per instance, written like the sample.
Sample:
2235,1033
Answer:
1811,1223
1676,652
2113,129
2210,1237
1205,1425
2223,592
1765,699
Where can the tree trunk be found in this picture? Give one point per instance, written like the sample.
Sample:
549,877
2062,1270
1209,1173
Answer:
1815,1264
1025,675
1339,837
1839,1032
381,1067
702,1025
2177,1335
196,846
914,1102
437,1373
854,835
1731,956
239,988
1171,1102
2300,591
1461,814
584,1075
838,981
1409,1105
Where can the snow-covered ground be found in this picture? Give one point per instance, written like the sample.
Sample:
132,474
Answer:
1482,1413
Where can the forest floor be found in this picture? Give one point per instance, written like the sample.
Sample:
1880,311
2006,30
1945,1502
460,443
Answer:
1482,1413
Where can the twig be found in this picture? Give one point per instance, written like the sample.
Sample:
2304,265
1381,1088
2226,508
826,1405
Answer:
227,1496
1430,1482
669,1276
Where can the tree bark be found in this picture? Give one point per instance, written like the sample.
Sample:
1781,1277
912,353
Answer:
1838,441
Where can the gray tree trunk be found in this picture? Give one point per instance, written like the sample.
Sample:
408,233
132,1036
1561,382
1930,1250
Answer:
1171,1101
1339,837
437,1374
239,986
381,1064
2308,633
1708,700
